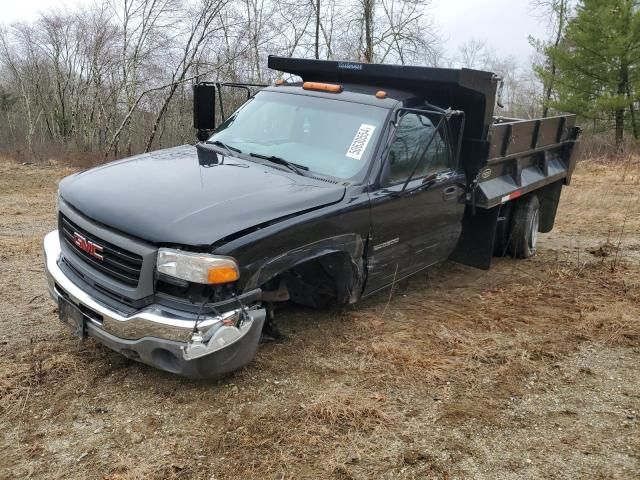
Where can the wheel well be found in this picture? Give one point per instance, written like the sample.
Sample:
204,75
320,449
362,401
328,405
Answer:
330,279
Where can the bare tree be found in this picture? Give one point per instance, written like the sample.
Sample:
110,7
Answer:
557,14
474,54
317,37
521,90
201,29
368,11
114,76
143,23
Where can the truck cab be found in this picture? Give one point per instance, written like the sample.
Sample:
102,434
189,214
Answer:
390,151
317,192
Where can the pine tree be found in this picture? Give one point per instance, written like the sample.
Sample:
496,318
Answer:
598,64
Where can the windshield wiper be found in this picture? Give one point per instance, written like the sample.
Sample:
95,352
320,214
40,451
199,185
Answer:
294,167
225,146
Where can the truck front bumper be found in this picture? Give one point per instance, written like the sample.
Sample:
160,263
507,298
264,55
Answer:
155,336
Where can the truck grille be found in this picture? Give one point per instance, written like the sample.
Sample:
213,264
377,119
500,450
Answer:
116,262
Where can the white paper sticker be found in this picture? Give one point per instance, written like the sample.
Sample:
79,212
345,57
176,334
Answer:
360,141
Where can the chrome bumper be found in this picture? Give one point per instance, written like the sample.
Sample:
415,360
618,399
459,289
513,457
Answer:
153,335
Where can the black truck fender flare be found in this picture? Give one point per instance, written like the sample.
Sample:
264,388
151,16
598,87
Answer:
351,245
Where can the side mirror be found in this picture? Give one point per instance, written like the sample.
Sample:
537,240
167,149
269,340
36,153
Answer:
204,109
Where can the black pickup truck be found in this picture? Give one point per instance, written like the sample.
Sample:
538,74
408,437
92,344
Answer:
317,192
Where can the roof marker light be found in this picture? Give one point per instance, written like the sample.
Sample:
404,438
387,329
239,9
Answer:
279,82
322,87
381,94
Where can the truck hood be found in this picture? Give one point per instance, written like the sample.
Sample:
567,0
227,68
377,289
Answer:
168,197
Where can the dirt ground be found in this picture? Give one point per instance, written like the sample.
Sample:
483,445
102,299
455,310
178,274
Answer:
529,370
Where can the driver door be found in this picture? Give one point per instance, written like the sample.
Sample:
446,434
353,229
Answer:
416,212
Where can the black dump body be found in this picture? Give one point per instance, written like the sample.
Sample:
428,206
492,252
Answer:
500,156
525,155
471,91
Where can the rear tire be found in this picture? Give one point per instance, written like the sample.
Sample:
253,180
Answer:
525,224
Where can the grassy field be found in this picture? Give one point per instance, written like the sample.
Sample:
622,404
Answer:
529,370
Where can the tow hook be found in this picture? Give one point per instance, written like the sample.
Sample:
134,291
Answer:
228,328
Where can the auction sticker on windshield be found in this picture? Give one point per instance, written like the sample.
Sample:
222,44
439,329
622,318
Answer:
360,141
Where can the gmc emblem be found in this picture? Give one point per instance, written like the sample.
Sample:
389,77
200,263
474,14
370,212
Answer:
87,246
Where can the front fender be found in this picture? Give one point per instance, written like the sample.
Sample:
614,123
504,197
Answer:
350,244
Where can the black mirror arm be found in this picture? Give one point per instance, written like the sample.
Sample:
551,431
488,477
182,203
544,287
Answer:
243,86
220,101
426,183
460,134
430,109
424,150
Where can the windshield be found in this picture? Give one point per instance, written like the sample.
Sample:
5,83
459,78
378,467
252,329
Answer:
330,137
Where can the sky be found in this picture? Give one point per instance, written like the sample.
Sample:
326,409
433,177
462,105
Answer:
503,24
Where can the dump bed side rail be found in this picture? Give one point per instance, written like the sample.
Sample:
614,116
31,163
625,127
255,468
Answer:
525,155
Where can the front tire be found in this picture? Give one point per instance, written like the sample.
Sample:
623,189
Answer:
525,224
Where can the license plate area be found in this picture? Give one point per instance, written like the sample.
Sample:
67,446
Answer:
72,316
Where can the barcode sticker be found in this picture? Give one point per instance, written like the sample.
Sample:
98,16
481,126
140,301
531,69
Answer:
360,141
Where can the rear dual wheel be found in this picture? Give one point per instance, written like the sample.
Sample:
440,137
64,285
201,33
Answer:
525,222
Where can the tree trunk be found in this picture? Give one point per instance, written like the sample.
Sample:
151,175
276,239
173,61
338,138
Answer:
634,125
160,116
30,127
549,90
619,129
619,113
632,110
317,29
368,30
562,8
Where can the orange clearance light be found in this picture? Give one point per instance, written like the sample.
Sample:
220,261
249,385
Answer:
322,87
279,82
222,274
381,94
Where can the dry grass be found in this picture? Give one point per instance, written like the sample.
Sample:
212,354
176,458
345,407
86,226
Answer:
344,411
460,373
56,155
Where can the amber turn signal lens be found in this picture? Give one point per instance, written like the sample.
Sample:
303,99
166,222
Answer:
222,274
322,87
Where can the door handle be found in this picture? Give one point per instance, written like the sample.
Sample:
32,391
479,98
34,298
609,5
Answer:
451,192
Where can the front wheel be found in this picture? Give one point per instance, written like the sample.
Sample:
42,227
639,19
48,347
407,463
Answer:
524,227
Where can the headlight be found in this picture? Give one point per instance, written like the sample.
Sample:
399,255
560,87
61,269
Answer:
197,267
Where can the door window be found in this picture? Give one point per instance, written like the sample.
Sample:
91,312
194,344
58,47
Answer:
412,136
